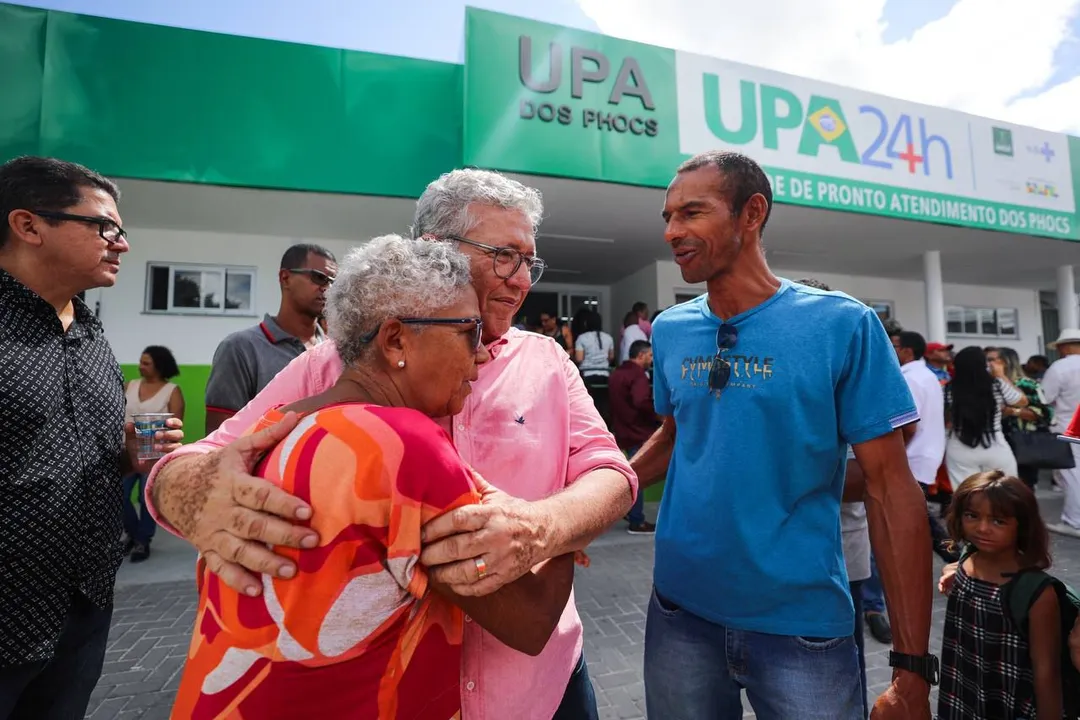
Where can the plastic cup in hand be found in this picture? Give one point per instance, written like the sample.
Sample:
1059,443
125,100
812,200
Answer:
146,425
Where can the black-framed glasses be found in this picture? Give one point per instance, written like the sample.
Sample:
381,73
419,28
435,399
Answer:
720,373
317,276
507,260
475,337
107,227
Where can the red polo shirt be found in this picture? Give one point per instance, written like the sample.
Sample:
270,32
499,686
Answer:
633,418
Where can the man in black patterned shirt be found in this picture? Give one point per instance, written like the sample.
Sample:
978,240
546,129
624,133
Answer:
61,436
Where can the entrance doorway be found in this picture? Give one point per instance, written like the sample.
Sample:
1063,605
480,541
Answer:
563,303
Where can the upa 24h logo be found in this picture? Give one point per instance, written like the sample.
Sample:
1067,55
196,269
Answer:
901,142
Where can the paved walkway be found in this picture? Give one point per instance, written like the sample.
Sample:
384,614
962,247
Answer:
155,609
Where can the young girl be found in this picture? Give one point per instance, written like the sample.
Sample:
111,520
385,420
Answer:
989,669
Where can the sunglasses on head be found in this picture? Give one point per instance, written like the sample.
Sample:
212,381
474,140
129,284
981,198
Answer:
720,373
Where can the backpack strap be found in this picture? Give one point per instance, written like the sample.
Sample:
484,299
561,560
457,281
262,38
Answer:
1020,593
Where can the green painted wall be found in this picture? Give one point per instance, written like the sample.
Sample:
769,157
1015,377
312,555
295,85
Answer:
192,382
154,102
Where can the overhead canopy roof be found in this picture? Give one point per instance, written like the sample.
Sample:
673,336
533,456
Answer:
603,232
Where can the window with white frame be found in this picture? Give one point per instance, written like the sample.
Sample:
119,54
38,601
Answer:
963,321
199,289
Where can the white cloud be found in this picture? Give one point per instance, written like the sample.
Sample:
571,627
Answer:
977,58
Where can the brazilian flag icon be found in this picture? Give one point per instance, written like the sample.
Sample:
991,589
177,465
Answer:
828,124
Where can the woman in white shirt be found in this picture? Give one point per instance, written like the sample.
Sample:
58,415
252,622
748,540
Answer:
975,398
594,351
151,393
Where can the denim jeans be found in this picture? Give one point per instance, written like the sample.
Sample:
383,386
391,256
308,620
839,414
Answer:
873,596
579,701
856,599
636,516
59,688
694,670
138,523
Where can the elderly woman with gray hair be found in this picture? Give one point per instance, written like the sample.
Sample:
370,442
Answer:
361,631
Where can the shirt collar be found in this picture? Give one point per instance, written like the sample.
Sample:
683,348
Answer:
275,334
13,292
496,346
912,366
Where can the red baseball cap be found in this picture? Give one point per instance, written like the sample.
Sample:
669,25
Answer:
934,347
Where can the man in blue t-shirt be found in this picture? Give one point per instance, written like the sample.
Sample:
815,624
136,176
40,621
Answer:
762,384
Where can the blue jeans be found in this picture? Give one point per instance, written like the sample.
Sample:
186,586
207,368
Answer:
694,670
636,516
138,524
856,600
579,700
873,596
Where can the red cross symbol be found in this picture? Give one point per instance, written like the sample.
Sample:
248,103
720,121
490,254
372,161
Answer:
910,158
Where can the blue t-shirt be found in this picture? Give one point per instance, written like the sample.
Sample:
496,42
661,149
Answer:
749,528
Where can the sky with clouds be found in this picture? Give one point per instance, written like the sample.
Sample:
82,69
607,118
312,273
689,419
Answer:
1014,60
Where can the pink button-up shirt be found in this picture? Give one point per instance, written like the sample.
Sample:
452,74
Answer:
530,429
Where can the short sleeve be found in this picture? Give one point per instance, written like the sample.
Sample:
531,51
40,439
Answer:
232,375
1009,394
872,397
429,479
579,343
373,477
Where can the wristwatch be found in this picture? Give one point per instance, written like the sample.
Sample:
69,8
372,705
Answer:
927,667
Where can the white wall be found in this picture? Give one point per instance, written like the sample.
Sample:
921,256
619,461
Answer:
640,286
192,338
908,298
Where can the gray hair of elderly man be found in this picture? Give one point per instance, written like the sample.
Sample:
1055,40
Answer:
389,277
443,209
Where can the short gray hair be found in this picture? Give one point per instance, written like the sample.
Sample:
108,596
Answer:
390,277
443,209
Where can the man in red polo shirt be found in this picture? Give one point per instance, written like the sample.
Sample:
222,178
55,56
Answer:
633,418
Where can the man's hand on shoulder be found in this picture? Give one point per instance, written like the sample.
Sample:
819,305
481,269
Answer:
504,533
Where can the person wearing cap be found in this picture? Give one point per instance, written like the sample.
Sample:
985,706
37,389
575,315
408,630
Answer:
1061,389
938,358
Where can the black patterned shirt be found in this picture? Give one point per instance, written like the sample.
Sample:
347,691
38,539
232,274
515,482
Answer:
61,439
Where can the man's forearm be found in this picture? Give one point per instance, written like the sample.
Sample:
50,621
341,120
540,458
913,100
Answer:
583,511
652,460
900,537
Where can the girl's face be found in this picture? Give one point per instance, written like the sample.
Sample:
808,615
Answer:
987,531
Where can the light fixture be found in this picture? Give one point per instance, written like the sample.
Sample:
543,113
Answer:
561,271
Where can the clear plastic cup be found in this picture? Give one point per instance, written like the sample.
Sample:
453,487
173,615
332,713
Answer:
146,424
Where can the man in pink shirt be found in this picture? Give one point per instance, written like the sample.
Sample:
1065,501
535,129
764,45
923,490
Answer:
529,428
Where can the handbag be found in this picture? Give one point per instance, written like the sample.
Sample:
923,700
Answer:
1041,450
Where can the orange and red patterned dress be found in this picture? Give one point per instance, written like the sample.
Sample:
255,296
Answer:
356,635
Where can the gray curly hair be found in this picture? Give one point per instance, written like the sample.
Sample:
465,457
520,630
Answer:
389,277
443,209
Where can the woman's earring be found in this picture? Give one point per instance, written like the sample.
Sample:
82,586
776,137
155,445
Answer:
401,363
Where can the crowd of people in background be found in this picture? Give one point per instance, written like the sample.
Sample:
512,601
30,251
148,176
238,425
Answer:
437,581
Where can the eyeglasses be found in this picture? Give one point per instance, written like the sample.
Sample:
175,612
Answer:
507,260
317,276
108,230
475,336
726,337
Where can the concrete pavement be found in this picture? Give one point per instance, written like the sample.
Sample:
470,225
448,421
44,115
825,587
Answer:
155,609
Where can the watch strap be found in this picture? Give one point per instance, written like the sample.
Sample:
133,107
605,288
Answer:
927,666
